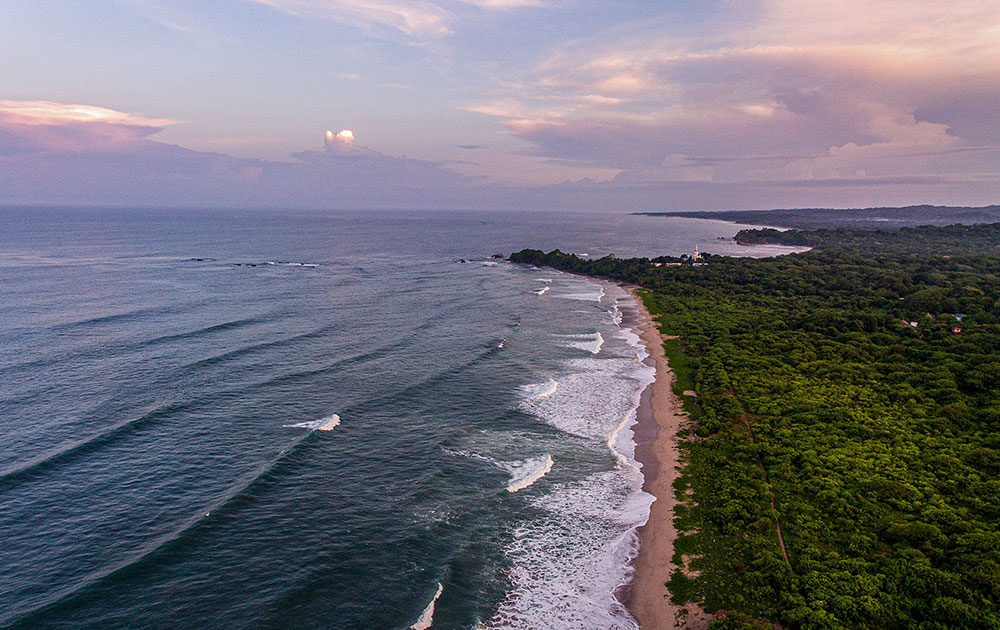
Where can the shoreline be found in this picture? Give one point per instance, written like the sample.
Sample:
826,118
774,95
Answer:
659,418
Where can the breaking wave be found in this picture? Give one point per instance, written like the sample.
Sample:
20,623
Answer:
538,391
329,423
526,473
427,616
590,343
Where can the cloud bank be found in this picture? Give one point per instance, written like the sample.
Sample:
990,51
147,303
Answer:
77,154
802,90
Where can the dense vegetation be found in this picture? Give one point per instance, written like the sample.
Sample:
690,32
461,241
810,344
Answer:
829,422
811,218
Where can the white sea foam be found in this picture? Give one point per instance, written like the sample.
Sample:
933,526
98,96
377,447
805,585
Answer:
541,291
568,562
427,617
329,423
547,280
525,473
590,399
538,391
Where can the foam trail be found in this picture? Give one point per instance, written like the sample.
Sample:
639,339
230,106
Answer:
427,617
328,423
528,472
541,291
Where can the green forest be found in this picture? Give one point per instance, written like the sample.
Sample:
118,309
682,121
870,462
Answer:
842,466
949,239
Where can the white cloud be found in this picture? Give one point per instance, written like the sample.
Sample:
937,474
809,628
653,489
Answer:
417,18
504,4
51,113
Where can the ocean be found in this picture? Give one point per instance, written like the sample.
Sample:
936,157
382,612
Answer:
245,419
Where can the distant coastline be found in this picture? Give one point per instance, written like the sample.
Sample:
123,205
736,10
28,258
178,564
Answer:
814,218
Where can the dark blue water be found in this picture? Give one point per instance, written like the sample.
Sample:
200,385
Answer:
162,389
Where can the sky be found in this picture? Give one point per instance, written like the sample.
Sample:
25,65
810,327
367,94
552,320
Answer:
528,104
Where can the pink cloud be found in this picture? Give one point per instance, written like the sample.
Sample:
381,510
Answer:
820,89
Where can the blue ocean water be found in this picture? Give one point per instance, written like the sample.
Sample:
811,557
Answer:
234,419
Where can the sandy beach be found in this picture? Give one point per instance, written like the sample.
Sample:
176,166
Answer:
660,417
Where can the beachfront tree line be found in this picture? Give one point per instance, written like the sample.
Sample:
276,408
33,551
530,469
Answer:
849,399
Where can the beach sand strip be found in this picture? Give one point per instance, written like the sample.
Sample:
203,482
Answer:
660,418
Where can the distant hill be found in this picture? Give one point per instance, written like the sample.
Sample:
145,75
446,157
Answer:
813,218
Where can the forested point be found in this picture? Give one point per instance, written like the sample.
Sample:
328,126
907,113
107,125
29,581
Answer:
927,239
848,406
